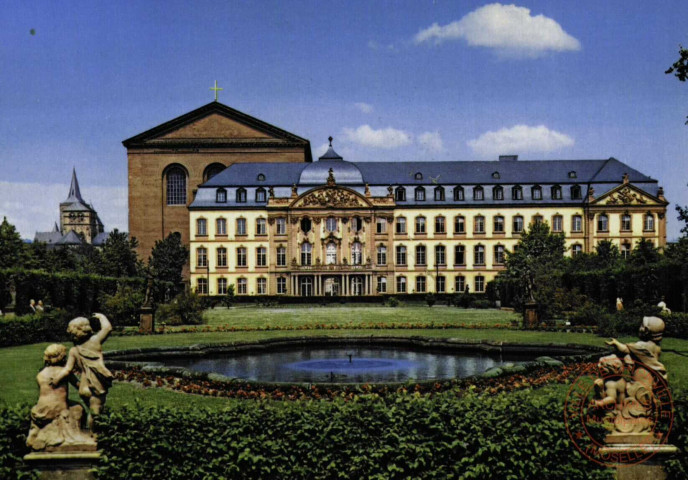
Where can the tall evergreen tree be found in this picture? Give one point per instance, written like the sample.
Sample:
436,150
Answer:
119,255
12,253
168,258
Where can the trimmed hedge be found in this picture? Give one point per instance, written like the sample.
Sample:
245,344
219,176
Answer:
441,299
37,328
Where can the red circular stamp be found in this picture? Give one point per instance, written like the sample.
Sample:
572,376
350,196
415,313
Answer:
618,411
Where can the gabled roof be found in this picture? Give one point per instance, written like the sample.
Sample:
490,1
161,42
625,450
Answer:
276,137
48,237
71,238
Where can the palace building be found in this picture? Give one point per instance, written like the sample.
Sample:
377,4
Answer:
334,227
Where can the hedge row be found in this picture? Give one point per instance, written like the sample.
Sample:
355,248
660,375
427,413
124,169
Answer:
48,327
514,436
440,299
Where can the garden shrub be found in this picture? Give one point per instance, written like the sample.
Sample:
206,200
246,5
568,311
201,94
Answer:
392,302
184,309
430,299
35,328
123,308
483,304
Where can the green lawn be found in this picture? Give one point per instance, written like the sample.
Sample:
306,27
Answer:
20,364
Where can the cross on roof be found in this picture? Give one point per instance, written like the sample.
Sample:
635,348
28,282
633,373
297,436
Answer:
216,89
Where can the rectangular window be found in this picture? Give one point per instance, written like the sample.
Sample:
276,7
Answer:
222,257
420,194
478,193
222,286
440,255
518,224
458,194
459,224
479,224
201,257
537,219
401,225
625,250
241,257
201,227
479,284
261,257
557,223
459,255
649,224
281,257
221,226
439,225
242,285
577,224
479,255
241,226
499,224
499,254
382,255
401,255
420,284
381,285
381,225
420,255
420,224
281,285
262,286
440,284
602,223
460,283
625,223
401,284
202,286
261,226
281,228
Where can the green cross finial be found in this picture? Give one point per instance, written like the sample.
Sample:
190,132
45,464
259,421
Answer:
216,89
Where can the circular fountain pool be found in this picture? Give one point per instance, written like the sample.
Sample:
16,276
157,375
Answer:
353,360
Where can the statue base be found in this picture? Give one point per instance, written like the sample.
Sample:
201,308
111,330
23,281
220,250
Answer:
63,465
146,321
530,315
625,453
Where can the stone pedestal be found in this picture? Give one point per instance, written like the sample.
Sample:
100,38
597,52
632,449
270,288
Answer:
650,469
146,321
63,465
530,315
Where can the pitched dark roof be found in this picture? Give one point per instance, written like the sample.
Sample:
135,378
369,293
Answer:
282,138
71,238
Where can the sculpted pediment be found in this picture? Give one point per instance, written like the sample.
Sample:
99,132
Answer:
330,197
215,126
627,195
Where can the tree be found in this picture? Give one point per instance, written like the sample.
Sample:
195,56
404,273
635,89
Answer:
168,258
119,255
12,252
644,253
680,66
534,265
607,254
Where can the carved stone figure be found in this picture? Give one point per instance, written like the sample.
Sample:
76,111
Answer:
86,359
55,424
634,399
619,304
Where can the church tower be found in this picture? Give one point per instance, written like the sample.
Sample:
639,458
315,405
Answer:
78,216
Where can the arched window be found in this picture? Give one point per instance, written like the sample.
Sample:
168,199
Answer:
221,195
420,194
331,254
260,195
649,223
602,223
458,194
439,194
400,194
176,186
536,192
420,224
306,225
241,195
331,224
517,226
625,222
212,170
401,284
498,193
260,177
356,253
517,193
478,193
576,193
418,176
306,253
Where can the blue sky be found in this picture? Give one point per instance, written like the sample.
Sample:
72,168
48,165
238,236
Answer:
389,80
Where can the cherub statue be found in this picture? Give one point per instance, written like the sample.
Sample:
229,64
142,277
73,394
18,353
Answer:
55,424
610,390
86,358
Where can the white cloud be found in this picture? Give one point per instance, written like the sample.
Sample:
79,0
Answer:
364,107
519,139
33,207
383,138
431,141
507,28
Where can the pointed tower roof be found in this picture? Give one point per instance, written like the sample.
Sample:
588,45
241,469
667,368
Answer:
74,192
56,228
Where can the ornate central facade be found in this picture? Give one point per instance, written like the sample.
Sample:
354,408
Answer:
334,227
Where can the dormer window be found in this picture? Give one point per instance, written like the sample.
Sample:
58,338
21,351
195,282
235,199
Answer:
458,194
498,193
241,195
576,192
572,174
536,192
400,194
420,194
517,193
260,177
495,175
221,195
556,192
260,195
418,176
478,193
439,194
